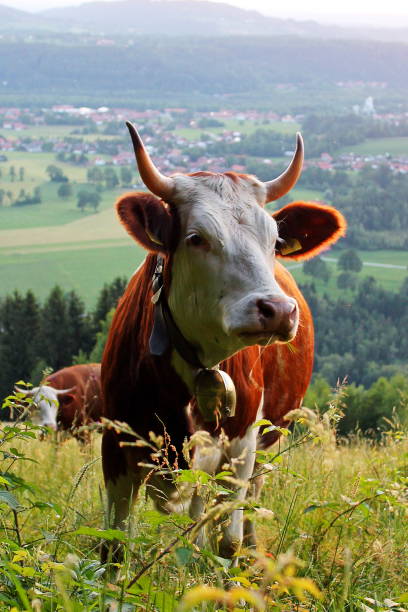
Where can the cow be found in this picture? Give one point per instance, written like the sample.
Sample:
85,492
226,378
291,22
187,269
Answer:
69,398
211,313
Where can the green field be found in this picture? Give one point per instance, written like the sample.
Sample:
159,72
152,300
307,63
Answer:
53,210
380,146
52,131
85,266
389,278
244,127
79,267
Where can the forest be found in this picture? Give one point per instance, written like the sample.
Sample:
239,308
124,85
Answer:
196,65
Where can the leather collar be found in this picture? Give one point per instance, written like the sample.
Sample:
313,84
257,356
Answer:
165,332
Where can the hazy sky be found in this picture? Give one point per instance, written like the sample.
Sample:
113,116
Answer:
385,12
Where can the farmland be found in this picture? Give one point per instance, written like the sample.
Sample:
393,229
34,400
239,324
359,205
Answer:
380,146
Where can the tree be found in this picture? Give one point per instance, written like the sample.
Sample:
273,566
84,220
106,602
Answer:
94,175
65,190
19,337
349,261
317,268
21,173
108,299
12,174
56,174
92,198
55,331
346,280
111,179
101,337
80,328
125,175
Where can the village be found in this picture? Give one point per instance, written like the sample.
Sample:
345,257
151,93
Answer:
180,140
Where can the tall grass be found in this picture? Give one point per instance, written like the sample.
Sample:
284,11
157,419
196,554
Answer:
331,525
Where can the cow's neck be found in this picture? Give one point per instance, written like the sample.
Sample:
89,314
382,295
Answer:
185,371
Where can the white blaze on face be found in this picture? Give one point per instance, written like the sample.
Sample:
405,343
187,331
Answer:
46,400
223,267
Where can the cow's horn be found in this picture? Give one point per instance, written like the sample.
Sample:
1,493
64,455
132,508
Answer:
26,391
61,391
280,186
154,180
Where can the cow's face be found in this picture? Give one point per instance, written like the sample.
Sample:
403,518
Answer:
221,245
223,292
47,400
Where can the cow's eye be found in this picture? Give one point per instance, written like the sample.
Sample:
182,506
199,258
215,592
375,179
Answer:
195,240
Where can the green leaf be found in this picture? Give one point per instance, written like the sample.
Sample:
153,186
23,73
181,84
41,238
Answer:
102,534
221,475
154,518
8,498
184,555
403,598
261,422
194,476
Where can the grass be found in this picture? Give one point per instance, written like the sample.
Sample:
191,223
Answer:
379,146
389,278
339,508
52,131
83,268
244,127
53,210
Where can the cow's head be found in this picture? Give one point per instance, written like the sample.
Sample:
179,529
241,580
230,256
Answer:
222,245
48,401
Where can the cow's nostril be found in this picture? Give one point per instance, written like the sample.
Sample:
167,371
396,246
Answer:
266,308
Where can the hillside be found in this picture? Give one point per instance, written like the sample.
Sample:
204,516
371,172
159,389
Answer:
211,66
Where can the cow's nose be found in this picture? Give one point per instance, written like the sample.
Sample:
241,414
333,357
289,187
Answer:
50,425
278,316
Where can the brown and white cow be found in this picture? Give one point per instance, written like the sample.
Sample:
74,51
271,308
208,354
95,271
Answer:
220,298
69,398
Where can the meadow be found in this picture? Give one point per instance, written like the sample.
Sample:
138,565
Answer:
244,127
331,526
380,146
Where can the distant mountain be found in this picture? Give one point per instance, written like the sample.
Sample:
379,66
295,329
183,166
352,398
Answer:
13,20
10,17
201,18
181,18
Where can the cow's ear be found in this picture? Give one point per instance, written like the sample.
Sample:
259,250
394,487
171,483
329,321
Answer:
65,399
307,228
147,219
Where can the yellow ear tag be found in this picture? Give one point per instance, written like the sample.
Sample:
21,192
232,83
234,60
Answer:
153,238
291,246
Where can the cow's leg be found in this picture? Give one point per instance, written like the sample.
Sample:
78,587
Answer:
208,458
242,458
254,493
122,485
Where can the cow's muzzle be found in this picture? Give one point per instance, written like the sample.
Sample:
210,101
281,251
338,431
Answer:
276,319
